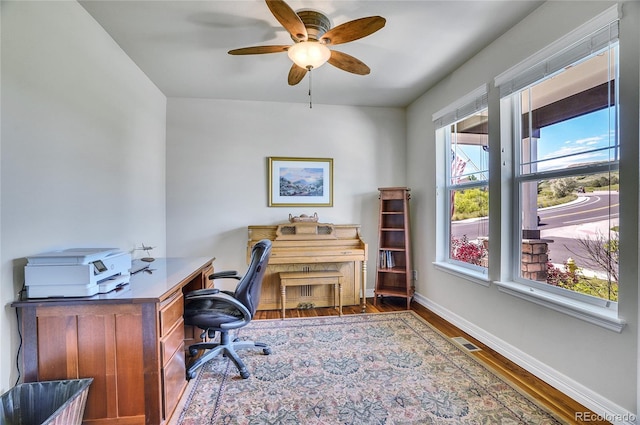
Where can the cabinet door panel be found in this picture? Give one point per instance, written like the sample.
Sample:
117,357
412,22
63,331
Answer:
57,347
78,342
130,364
97,359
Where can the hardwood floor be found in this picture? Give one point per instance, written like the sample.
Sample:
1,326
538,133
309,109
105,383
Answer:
570,410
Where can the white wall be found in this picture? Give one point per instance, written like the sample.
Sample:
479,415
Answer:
83,147
217,169
592,364
83,163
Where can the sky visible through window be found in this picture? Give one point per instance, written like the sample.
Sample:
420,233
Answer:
580,140
575,141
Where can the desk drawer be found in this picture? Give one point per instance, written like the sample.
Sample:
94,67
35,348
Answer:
174,382
171,312
172,342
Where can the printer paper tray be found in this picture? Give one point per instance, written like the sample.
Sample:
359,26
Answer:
61,291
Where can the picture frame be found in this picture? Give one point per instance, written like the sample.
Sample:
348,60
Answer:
300,182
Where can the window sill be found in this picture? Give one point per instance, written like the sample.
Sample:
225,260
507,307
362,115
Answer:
464,273
596,315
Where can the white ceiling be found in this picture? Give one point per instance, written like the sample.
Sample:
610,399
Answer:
182,46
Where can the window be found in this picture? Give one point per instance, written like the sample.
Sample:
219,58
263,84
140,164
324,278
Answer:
463,137
566,154
567,158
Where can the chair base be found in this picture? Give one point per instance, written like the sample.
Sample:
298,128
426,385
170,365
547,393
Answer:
225,347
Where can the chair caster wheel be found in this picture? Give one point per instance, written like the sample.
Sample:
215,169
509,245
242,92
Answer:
193,351
190,375
266,351
244,374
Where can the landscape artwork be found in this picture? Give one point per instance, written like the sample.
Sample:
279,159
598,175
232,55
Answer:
300,181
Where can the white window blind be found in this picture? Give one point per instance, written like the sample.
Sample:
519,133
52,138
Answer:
587,39
473,102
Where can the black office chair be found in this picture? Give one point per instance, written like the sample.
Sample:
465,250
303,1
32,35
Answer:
214,311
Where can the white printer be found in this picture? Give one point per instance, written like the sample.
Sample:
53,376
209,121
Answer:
76,272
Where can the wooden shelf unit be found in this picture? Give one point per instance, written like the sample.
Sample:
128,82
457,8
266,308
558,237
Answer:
393,273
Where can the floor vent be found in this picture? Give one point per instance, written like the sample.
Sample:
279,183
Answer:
465,344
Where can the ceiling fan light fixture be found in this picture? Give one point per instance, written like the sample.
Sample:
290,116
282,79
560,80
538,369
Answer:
309,54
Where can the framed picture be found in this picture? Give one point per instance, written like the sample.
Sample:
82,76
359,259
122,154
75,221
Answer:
299,182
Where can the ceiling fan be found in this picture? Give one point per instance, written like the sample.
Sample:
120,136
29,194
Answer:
312,34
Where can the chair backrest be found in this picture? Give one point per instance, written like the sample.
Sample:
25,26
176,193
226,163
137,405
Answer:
249,287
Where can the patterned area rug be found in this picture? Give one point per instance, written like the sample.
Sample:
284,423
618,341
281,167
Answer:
390,368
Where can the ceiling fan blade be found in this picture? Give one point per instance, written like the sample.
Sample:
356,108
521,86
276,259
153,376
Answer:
348,63
288,19
296,74
353,30
259,50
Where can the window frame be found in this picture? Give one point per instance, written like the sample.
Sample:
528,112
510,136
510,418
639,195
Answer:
449,187
585,307
466,106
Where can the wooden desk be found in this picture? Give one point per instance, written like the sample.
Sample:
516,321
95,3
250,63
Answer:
130,341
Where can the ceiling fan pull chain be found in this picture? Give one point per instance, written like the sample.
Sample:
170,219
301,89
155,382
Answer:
310,98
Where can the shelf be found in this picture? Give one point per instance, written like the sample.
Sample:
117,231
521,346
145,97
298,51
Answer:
393,243
392,206
393,270
392,292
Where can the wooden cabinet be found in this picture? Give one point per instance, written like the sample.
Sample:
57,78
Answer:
393,272
76,341
131,341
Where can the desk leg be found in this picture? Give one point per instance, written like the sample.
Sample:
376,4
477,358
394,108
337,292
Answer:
283,291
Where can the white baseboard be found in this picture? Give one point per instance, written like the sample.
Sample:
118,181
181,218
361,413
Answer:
603,407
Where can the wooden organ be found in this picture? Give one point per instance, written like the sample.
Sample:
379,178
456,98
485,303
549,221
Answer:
312,247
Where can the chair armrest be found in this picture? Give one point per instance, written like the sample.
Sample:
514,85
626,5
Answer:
225,274
199,292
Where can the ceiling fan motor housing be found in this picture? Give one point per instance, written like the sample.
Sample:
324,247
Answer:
317,24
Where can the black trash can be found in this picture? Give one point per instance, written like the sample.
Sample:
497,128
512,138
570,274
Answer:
45,403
